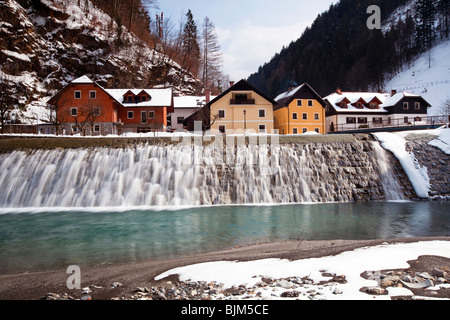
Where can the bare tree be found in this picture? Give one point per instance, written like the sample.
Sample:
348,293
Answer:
211,55
6,101
59,112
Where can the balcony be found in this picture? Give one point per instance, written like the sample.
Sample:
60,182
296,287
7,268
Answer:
242,102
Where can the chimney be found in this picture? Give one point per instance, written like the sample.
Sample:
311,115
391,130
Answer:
393,93
231,83
207,95
339,91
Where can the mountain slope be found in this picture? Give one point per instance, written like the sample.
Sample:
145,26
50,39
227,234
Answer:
339,50
45,44
428,76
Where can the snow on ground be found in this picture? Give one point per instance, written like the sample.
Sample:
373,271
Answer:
442,141
351,264
429,79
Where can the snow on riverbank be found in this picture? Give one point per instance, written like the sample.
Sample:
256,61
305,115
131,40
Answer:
350,264
418,175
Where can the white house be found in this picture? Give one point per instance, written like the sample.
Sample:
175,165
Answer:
184,107
358,110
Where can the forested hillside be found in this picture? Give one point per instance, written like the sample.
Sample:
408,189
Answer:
339,50
45,44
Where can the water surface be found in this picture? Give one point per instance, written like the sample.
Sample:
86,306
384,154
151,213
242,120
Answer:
43,239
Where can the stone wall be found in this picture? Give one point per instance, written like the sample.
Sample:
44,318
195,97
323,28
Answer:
437,163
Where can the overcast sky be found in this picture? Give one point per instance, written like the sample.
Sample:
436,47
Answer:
250,31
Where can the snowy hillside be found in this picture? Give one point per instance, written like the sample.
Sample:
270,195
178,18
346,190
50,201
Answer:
429,76
46,44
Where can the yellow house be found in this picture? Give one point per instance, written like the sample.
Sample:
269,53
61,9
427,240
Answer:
242,108
300,110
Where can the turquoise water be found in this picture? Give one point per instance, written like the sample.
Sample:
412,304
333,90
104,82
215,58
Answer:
33,240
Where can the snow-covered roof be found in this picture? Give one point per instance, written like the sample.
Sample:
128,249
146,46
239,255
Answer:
83,79
190,102
159,97
288,93
386,100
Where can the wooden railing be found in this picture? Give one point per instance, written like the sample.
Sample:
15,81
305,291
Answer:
394,123
241,102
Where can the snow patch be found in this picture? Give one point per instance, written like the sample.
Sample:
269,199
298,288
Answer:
417,174
442,141
351,264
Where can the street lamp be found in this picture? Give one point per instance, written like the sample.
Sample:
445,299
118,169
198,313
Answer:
245,119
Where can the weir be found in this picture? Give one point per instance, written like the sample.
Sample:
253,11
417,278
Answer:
192,175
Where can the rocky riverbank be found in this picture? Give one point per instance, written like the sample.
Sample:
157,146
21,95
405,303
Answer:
421,281
427,277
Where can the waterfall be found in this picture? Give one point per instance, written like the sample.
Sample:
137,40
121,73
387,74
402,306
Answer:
186,175
391,186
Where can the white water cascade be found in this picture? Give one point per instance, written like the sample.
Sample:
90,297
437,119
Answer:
176,175
392,187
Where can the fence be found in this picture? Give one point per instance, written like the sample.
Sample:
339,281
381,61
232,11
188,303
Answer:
410,122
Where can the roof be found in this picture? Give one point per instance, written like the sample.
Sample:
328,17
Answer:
284,99
335,99
242,86
386,99
189,102
159,97
83,79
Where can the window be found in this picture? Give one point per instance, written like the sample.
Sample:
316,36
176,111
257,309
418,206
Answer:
377,120
74,129
373,105
305,130
92,94
359,105
418,119
405,106
262,113
262,128
77,94
130,98
144,117
180,120
344,105
305,116
406,120
317,130
417,106
222,129
74,112
151,115
310,103
295,131
221,114
362,120
316,116
294,116
299,103
351,120
130,114
97,128
96,112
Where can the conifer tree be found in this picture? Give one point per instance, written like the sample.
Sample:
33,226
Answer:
190,47
426,15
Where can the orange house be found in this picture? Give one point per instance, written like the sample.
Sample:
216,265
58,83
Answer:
87,108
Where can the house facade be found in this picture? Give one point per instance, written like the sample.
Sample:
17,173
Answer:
87,108
300,110
184,106
360,110
242,108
